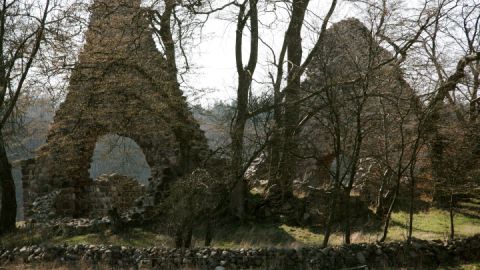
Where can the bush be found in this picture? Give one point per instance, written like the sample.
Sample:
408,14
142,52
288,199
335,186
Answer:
193,201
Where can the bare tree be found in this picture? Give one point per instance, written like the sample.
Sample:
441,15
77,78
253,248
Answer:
248,12
287,100
283,138
22,30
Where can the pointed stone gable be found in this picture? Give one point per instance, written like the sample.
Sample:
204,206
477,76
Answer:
120,85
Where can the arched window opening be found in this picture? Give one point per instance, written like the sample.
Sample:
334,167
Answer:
121,155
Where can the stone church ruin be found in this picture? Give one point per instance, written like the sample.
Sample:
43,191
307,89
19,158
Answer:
120,85
344,56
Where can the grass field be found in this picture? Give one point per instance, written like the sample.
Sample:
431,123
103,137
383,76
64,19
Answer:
433,224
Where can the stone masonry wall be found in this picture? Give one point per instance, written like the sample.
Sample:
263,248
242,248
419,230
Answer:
120,85
417,255
114,191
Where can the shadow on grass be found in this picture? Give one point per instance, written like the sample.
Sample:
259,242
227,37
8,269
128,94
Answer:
403,204
468,213
403,225
252,235
134,237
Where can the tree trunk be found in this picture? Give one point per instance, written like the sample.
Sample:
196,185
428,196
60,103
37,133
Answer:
245,77
208,232
117,225
292,94
347,235
239,192
353,171
179,232
275,142
390,211
187,242
452,223
476,86
412,202
383,193
331,214
8,211
437,148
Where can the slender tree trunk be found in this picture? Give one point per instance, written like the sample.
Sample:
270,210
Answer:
239,193
353,171
292,94
275,141
8,211
179,233
380,211
347,218
187,243
245,77
208,232
390,211
331,214
412,205
413,182
347,233
476,86
336,178
437,148
452,223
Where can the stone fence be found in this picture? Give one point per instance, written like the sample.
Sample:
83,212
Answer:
419,255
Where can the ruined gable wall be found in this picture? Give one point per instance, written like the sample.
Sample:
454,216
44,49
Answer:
120,85
348,51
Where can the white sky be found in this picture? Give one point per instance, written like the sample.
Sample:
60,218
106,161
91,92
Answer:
213,74
214,57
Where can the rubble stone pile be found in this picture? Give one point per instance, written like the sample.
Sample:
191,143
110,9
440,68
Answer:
114,191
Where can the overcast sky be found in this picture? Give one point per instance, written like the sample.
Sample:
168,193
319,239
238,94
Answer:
214,57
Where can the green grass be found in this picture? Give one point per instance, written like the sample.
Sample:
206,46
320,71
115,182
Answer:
136,238
251,235
475,266
433,224
469,266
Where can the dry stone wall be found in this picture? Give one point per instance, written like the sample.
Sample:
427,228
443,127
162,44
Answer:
120,85
396,255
